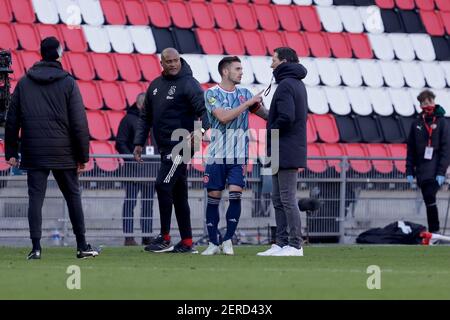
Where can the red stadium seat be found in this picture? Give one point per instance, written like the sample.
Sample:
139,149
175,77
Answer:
131,90
288,19
66,64
425,4
114,12
104,66
49,30
17,66
333,150
273,40
181,16
339,45
149,65
443,5
405,4
261,1
357,150
311,131
3,165
267,17
224,16
105,148
82,66
232,42
136,13
8,38
29,58
360,45
433,22
378,150
92,96
316,166
23,11
202,14
98,125
326,127
28,37
297,41
128,67
398,151
74,39
318,43
385,4
446,20
113,95
210,41
158,13
6,11
254,43
309,18
114,118
245,16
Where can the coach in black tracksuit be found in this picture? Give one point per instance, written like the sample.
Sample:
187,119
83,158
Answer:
428,154
173,101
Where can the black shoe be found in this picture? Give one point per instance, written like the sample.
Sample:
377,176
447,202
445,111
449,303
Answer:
147,241
86,253
34,254
159,245
180,247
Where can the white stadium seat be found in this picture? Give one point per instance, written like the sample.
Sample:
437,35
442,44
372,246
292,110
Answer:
443,99
351,19
92,12
446,67
381,101
371,72
371,17
414,93
412,71
143,40
434,74
248,76
282,2
198,66
120,39
338,100
261,68
46,11
303,2
212,61
402,45
331,21
350,72
312,77
323,2
402,101
329,72
69,11
392,74
382,46
97,38
359,101
317,100
423,47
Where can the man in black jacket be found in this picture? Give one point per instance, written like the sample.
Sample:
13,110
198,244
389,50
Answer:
47,106
428,154
288,115
125,145
173,101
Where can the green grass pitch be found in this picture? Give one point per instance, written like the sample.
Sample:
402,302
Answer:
325,272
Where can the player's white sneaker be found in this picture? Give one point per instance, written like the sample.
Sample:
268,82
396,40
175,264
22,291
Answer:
274,248
227,247
211,250
288,251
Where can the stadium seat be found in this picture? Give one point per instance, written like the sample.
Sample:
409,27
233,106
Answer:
98,38
128,67
370,129
358,150
74,39
392,74
114,118
385,4
267,17
163,39
317,100
360,45
232,42
329,72
326,127
446,69
113,95
398,151
289,21
284,2
348,129
339,46
82,65
120,39
433,22
371,72
180,14
316,166
158,13
311,131
423,47
414,93
254,43
29,58
339,103
405,4
28,37
302,2
46,11
441,48
391,21
23,11
378,150
49,30
6,14
402,102
245,16
92,12
309,18
272,40
411,21
202,14
358,99
351,19
142,38
380,100
443,5
248,77
318,44
186,41
209,40
331,21
333,150
98,125
297,41
131,90
445,18
69,12
412,71
224,16
8,40
198,66
114,12
105,66
312,77
212,62
371,18
105,148
323,2
149,65
261,69
350,72
391,129
16,66
443,98
135,12
92,96
382,46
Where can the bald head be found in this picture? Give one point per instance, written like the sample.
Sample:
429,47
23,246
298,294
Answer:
170,61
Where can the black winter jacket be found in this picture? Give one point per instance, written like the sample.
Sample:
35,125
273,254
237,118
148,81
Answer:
288,113
171,102
48,107
416,165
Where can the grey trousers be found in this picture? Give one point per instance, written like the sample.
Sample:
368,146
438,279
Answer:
287,213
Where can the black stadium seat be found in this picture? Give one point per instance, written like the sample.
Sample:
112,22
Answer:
406,123
412,21
391,21
370,130
441,47
186,41
391,129
348,129
163,38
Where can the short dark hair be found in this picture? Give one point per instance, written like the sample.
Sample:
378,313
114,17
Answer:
286,53
225,62
426,94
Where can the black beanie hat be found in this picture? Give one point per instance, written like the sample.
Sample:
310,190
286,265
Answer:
50,49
